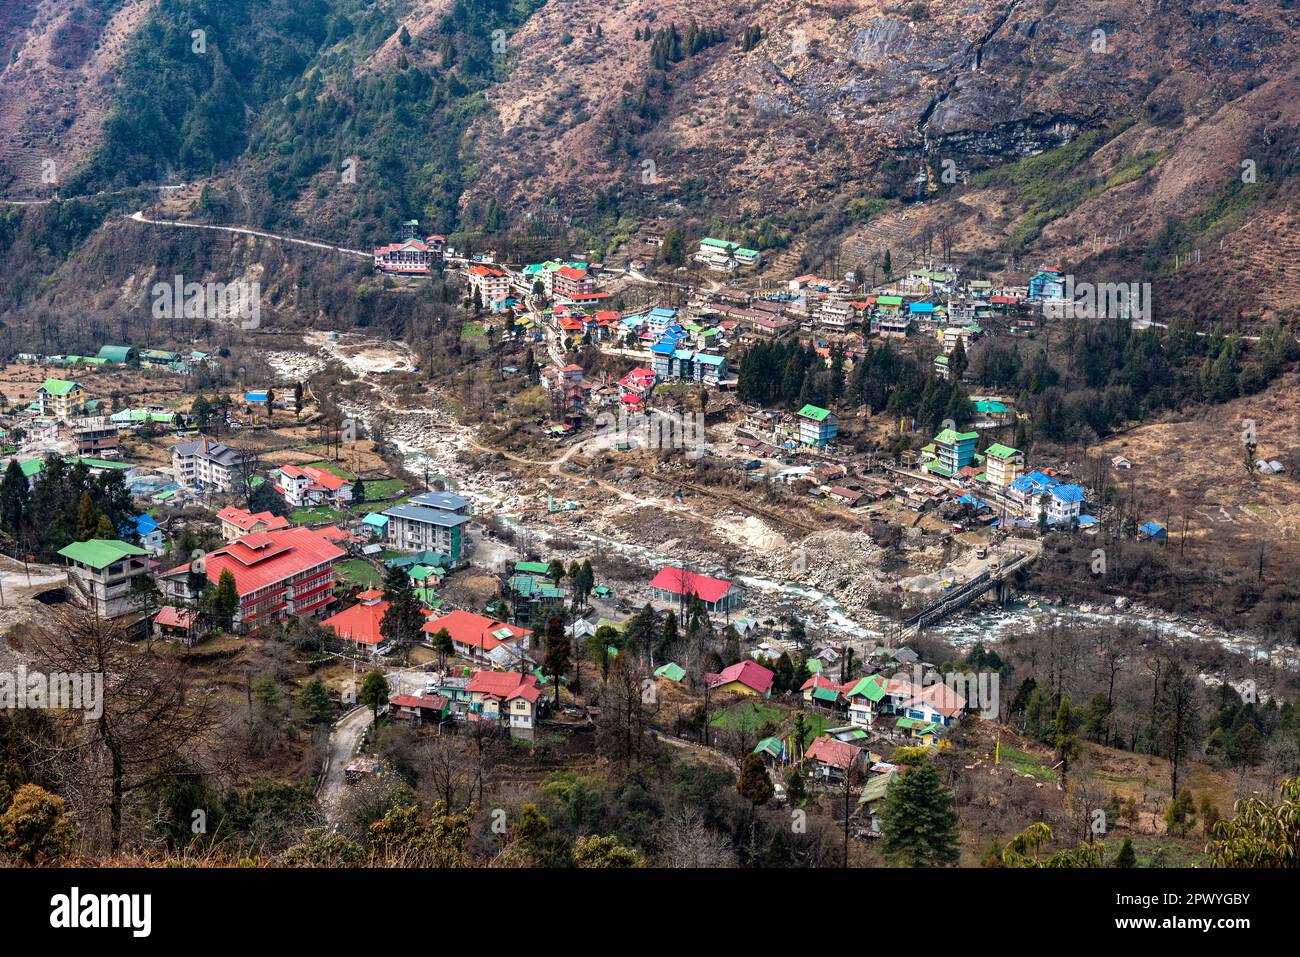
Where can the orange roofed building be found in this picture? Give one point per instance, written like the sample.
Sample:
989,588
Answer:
278,575
479,638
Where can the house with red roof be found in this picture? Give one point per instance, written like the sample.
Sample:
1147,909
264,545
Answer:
480,638
278,575
834,760
635,387
746,677
511,697
572,283
359,626
307,487
419,708
172,622
237,522
491,284
676,586
411,257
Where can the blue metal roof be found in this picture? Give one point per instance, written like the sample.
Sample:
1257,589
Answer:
430,516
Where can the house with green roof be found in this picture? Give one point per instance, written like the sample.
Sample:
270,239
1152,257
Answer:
100,573
954,451
61,399
671,671
1003,464
817,426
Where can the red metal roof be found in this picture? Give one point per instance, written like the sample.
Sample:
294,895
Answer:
242,518
475,631
673,579
504,684
835,753
359,623
749,673
266,558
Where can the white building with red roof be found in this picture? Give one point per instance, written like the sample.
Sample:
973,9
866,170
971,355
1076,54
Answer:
411,257
280,574
491,284
307,486
512,697
676,586
237,522
479,638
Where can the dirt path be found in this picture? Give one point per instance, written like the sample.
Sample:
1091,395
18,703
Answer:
139,217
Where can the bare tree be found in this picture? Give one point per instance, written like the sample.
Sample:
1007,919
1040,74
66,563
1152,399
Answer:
149,716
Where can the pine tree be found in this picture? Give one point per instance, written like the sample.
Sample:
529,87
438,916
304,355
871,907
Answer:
403,620
1126,857
918,820
224,601
88,517
314,702
555,660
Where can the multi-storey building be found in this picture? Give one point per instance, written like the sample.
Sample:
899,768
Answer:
207,465
100,573
278,575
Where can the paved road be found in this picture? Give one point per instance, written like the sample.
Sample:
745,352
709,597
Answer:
346,737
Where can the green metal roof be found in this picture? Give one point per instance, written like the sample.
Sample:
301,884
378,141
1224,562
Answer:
826,694
58,386
672,671
99,552
871,687
816,413
533,568
949,437
999,451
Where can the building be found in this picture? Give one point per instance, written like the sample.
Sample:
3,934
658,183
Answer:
206,465
817,426
511,697
238,522
119,355
411,257
953,452
941,367
1047,285
1003,464
307,486
171,622
491,284
100,573
359,626
479,638
279,574
61,399
419,528
444,501
675,586
95,436
744,677
420,708
1039,494
834,760
572,283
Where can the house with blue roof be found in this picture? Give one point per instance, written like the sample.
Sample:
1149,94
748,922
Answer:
1153,531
